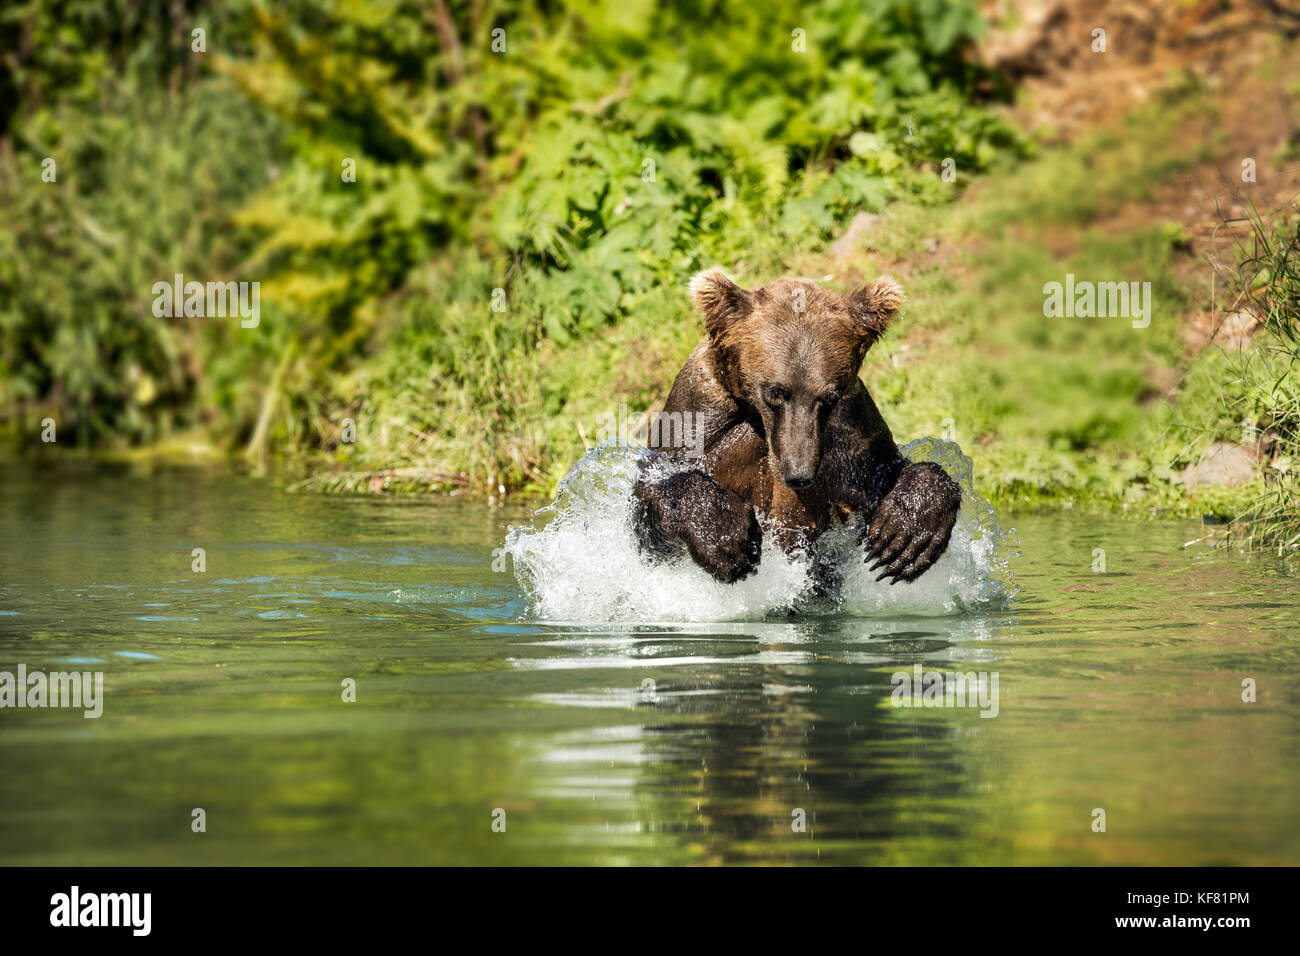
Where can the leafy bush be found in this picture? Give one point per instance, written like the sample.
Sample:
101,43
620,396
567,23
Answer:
144,181
605,153
573,179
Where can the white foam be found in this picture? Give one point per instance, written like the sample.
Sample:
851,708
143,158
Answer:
579,562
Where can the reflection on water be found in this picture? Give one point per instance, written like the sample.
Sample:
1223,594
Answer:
613,743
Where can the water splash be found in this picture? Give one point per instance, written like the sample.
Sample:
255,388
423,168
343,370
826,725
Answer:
579,561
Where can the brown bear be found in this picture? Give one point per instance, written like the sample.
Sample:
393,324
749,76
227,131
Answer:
789,429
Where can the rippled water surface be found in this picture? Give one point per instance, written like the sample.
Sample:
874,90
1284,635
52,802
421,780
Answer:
615,742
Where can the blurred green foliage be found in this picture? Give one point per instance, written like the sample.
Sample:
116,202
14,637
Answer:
147,162
584,168
1264,382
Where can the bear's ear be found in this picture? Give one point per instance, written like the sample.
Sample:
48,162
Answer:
721,300
875,305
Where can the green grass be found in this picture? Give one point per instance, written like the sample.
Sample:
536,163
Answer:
1264,382
524,174
1071,411
1054,411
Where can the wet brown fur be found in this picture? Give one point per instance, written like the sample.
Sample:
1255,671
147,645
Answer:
790,430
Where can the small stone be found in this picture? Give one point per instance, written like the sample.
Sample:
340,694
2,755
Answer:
847,244
1223,464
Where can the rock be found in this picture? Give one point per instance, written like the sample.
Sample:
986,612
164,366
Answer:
1237,329
847,244
1223,464
1027,49
1232,331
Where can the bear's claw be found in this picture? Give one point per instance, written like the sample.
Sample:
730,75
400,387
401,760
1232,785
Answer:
912,526
718,528
728,542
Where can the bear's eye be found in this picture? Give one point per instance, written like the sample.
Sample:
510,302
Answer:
775,395
829,400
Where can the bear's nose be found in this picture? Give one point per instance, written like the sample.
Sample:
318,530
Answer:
799,479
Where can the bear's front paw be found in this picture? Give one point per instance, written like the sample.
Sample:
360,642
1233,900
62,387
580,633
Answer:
723,536
911,528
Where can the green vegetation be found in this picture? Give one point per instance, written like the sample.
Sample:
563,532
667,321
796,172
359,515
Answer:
510,261
1085,412
1264,387
1051,407
523,220
584,171
148,161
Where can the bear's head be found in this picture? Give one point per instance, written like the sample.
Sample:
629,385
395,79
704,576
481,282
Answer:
788,352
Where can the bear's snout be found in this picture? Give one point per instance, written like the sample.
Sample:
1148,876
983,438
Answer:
797,446
796,443
798,476
799,466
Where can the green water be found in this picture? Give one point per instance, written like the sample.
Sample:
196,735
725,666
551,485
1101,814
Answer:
223,691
